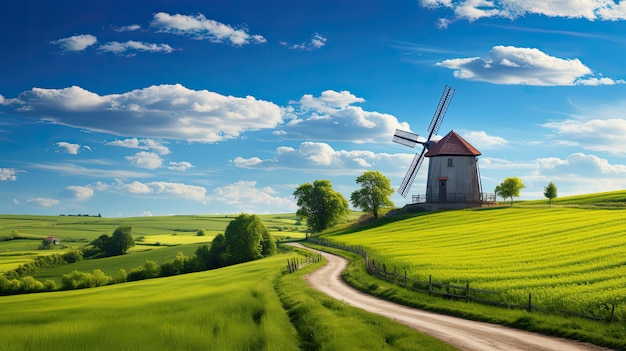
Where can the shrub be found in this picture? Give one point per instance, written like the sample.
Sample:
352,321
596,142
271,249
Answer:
73,256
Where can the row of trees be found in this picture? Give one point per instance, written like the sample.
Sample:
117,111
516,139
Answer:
324,207
511,187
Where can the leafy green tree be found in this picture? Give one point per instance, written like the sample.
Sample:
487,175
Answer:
117,244
120,241
243,238
320,205
201,232
374,193
216,254
550,192
510,188
268,245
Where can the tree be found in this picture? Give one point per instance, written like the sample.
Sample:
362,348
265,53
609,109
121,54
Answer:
550,192
120,241
374,193
268,245
320,204
510,187
243,238
117,244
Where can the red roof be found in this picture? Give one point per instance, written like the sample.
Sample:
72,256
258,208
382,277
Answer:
452,145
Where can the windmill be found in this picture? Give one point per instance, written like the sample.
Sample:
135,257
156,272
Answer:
410,139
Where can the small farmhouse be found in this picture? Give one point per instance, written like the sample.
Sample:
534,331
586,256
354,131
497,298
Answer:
54,240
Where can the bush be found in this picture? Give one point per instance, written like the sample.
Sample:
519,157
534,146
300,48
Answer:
201,232
73,256
149,270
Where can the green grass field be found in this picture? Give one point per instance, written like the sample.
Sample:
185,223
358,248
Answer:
248,306
567,258
75,231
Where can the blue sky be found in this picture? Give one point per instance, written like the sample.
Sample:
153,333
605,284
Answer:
212,107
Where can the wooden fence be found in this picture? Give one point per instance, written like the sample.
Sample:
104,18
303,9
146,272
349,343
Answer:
295,263
451,291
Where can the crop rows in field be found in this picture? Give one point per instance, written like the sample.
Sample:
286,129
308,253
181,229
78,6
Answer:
567,258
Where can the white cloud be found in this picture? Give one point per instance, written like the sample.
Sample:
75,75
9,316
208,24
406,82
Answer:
72,169
332,117
69,148
179,190
472,10
135,187
130,47
163,111
312,157
80,193
179,166
75,43
524,66
146,214
595,134
143,159
43,201
7,174
246,197
581,173
317,41
482,140
129,28
199,27
142,144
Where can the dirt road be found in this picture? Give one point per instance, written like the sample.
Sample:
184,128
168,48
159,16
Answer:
461,333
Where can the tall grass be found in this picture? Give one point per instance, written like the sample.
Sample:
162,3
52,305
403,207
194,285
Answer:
234,308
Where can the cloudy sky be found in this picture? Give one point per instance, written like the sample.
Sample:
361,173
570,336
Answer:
212,107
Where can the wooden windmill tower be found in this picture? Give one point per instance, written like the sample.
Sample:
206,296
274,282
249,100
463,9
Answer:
453,174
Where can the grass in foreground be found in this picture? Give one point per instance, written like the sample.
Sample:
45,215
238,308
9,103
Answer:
239,307
234,308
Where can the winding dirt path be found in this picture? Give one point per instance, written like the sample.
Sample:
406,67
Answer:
461,333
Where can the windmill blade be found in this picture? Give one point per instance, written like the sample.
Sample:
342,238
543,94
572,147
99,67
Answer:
440,112
405,138
411,173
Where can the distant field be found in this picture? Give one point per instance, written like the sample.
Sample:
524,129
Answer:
76,231
568,258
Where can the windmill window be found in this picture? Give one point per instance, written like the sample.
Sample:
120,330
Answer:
450,162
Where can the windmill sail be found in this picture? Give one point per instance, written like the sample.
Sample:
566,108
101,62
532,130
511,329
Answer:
410,139
440,112
405,138
411,173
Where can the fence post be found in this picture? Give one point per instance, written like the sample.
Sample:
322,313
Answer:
530,305
612,312
395,274
430,284
467,292
405,278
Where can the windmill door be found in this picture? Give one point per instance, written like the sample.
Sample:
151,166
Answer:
443,189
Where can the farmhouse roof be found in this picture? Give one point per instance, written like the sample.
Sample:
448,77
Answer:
452,145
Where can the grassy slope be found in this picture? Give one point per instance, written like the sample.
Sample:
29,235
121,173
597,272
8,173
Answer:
575,251
234,308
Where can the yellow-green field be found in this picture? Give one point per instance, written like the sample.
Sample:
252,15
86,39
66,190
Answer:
567,258
75,231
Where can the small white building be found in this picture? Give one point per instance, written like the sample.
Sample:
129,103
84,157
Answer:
453,174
